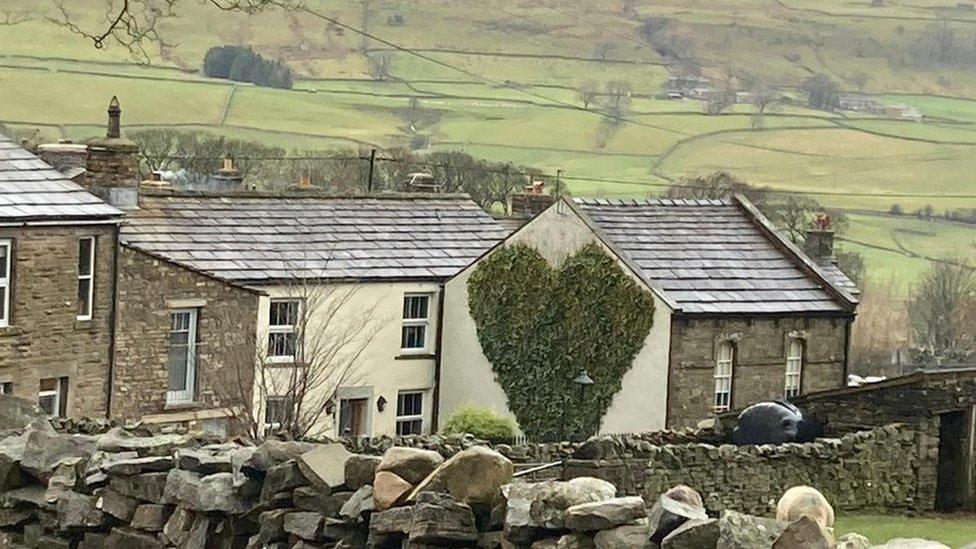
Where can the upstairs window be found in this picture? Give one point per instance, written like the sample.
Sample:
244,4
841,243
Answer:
7,388
52,396
283,330
416,310
723,377
4,283
410,413
794,368
86,277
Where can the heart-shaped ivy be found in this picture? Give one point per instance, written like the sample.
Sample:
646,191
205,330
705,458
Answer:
540,327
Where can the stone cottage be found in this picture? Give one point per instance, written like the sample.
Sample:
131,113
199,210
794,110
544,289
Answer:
57,284
740,314
211,284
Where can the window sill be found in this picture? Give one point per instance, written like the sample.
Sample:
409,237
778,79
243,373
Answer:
181,406
11,331
415,356
86,324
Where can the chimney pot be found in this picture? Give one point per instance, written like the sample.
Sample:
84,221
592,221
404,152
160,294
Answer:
114,119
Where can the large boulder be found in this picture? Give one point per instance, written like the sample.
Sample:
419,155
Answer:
274,452
805,533
147,487
911,543
282,479
360,470
694,534
389,490
439,520
601,515
532,509
304,525
359,505
411,464
76,511
853,541
325,465
45,448
668,513
151,517
804,501
17,413
633,536
118,440
212,493
740,531
119,506
473,476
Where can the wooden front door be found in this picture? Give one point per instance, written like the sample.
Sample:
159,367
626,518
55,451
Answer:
352,417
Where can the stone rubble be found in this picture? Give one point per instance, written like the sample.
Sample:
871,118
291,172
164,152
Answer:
112,488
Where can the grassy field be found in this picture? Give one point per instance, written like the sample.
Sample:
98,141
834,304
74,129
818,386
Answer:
952,531
515,95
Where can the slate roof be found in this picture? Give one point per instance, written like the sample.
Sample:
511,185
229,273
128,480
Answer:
263,239
713,256
30,189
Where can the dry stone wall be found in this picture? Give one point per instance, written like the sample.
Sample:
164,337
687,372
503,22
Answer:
890,468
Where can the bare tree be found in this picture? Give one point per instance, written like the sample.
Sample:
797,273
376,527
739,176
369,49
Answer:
380,65
134,24
589,91
298,372
942,311
603,50
763,99
715,185
881,329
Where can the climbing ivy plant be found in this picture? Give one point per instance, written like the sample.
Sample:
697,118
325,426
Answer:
540,327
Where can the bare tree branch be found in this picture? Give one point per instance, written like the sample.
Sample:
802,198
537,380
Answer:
10,19
134,24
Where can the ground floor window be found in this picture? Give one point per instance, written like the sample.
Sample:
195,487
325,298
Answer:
276,412
353,416
52,396
7,388
410,413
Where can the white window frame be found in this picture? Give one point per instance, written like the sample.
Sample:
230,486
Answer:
411,417
56,393
89,278
272,426
724,367
188,393
794,368
7,244
423,322
284,329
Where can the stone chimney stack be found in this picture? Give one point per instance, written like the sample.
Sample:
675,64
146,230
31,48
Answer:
532,200
819,243
113,164
229,178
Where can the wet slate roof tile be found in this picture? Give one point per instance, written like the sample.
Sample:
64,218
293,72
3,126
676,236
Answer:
256,239
710,257
31,189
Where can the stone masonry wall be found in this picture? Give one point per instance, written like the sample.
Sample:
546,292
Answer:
148,290
44,339
887,468
759,372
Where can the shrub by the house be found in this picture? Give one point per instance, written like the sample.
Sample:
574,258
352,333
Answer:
481,422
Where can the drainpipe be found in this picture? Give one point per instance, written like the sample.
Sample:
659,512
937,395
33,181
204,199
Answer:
847,350
112,322
435,412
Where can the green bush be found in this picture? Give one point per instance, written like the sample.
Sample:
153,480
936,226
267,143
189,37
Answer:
483,423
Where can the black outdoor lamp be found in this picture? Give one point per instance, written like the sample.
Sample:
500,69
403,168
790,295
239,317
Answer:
381,404
583,380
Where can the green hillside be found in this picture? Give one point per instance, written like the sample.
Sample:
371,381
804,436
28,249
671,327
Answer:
512,93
